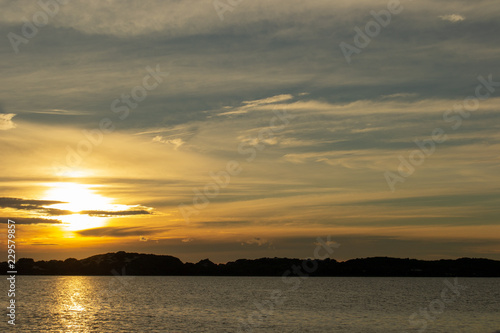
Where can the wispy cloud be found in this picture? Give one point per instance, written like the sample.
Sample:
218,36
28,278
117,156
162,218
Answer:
118,232
61,112
452,18
269,100
258,241
37,207
29,220
20,203
115,213
6,122
174,142
400,95
253,105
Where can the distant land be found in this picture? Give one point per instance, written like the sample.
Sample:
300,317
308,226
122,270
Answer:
124,263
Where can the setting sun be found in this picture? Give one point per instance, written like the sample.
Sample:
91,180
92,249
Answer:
79,205
76,197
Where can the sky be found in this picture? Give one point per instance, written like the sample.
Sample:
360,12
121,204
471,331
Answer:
245,129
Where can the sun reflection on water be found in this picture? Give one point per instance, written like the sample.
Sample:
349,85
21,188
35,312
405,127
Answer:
74,309
75,306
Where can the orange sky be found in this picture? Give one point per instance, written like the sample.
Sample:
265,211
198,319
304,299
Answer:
186,135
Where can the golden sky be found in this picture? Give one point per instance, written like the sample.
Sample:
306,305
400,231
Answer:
160,128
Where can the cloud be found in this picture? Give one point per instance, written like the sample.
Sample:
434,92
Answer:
118,232
452,200
27,204
255,141
61,112
328,243
6,122
174,142
54,211
258,241
29,220
222,224
452,17
269,100
102,213
400,95
252,105
37,206
173,18
350,159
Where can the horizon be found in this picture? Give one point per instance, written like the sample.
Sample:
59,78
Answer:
256,258
202,132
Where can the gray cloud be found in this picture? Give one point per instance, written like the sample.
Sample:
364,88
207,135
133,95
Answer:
115,213
36,206
54,211
118,232
452,17
29,220
28,204
302,52
258,241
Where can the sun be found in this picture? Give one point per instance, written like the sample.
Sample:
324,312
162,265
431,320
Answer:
79,199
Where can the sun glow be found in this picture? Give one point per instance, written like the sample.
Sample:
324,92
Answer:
78,201
76,197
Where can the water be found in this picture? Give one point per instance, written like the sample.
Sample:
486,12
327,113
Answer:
252,304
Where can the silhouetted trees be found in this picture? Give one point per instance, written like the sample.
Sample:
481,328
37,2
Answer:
124,263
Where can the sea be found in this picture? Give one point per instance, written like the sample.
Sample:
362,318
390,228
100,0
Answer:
252,304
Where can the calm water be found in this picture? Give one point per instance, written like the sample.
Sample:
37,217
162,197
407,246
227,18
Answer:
253,304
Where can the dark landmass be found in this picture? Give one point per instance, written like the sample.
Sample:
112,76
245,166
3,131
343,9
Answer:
123,263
